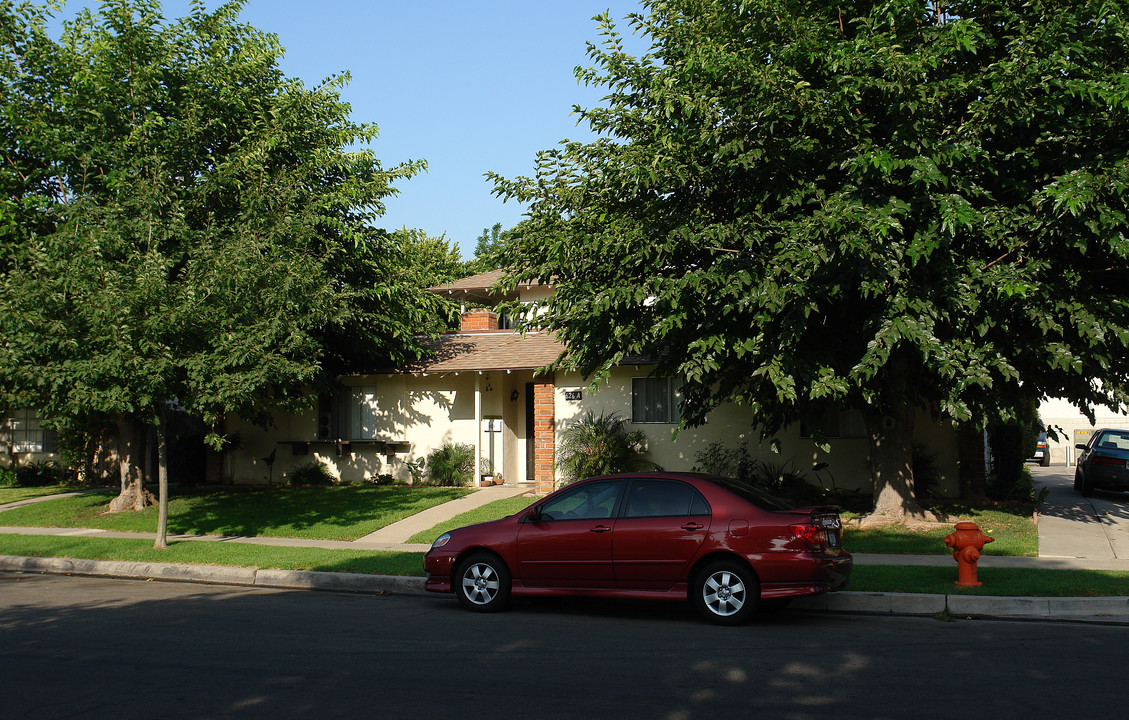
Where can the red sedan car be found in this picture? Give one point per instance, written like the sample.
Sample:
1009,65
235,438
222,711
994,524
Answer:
724,545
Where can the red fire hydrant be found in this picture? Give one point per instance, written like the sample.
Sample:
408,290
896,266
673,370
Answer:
967,541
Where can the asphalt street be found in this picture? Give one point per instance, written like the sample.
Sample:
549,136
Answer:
103,648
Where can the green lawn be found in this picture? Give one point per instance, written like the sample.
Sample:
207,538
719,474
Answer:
346,513
489,511
1005,582
318,513
1012,530
9,494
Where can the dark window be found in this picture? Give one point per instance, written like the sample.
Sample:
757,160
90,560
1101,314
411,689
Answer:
655,400
660,498
835,423
23,432
590,501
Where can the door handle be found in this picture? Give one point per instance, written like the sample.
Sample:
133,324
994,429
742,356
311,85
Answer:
691,526
601,529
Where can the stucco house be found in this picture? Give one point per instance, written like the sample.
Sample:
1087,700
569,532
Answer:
487,387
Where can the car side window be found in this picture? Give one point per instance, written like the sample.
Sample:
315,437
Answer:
590,501
664,498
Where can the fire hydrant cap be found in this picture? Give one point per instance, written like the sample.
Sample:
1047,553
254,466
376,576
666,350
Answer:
967,526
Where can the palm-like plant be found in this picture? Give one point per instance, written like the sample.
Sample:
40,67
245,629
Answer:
599,445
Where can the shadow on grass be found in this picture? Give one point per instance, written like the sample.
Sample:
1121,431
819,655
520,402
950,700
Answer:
330,512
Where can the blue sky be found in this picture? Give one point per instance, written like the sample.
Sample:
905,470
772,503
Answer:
467,86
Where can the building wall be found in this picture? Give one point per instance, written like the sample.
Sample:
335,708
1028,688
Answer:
425,411
1073,427
731,424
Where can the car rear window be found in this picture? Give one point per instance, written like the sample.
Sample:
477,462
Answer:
753,494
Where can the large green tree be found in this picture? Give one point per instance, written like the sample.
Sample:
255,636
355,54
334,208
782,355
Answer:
891,205
184,226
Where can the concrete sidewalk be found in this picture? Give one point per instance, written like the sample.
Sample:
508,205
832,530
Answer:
1074,533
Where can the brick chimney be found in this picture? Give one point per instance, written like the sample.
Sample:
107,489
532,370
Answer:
479,319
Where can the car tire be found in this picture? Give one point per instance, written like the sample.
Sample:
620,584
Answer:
1082,485
482,583
725,592
1045,461
1085,488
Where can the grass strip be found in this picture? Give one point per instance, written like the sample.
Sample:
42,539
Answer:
15,493
200,552
1014,533
1001,582
489,511
315,513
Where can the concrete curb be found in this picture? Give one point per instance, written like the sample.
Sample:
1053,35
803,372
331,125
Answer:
217,575
1109,610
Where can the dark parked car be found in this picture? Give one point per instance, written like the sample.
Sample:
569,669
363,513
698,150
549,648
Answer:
1042,451
723,545
1104,462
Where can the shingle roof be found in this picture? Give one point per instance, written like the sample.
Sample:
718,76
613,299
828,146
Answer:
479,288
501,350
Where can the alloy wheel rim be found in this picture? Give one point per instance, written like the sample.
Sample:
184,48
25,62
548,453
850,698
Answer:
724,593
480,583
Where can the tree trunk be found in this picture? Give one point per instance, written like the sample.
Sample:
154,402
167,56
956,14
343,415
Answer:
131,452
162,481
889,429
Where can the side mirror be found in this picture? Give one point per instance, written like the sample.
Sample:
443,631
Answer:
534,515
1080,446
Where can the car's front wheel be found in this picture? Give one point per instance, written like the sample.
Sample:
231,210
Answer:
482,583
726,592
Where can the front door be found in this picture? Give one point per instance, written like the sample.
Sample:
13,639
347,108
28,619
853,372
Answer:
663,524
571,544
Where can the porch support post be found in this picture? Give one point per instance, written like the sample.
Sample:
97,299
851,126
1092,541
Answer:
478,429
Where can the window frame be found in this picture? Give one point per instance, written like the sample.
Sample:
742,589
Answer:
644,392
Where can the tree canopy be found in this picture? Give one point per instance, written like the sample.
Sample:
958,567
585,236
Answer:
892,205
183,225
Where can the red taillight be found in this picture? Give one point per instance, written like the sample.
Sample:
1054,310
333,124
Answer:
1108,461
810,534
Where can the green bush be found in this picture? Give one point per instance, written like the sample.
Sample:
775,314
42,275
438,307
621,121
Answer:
38,474
309,473
8,477
451,465
600,445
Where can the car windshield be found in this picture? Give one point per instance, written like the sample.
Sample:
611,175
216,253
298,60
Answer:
753,494
1114,441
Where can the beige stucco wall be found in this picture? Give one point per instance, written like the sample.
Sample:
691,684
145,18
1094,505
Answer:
426,411
1073,427
732,424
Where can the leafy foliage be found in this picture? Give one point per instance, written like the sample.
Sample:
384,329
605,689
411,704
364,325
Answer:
882,205
183,224
309,473
599,445
451,465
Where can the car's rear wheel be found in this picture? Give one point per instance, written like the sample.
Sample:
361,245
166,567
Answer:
482,583
1082,485
726,592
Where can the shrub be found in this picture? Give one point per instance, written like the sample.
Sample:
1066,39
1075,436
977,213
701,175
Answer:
8,477
43,472
717,459
309,473
451,465
600,445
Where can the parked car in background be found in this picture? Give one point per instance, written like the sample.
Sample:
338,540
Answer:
1103,463
1042,451
725,546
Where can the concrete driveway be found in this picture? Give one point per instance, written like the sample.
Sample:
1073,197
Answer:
1071,526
